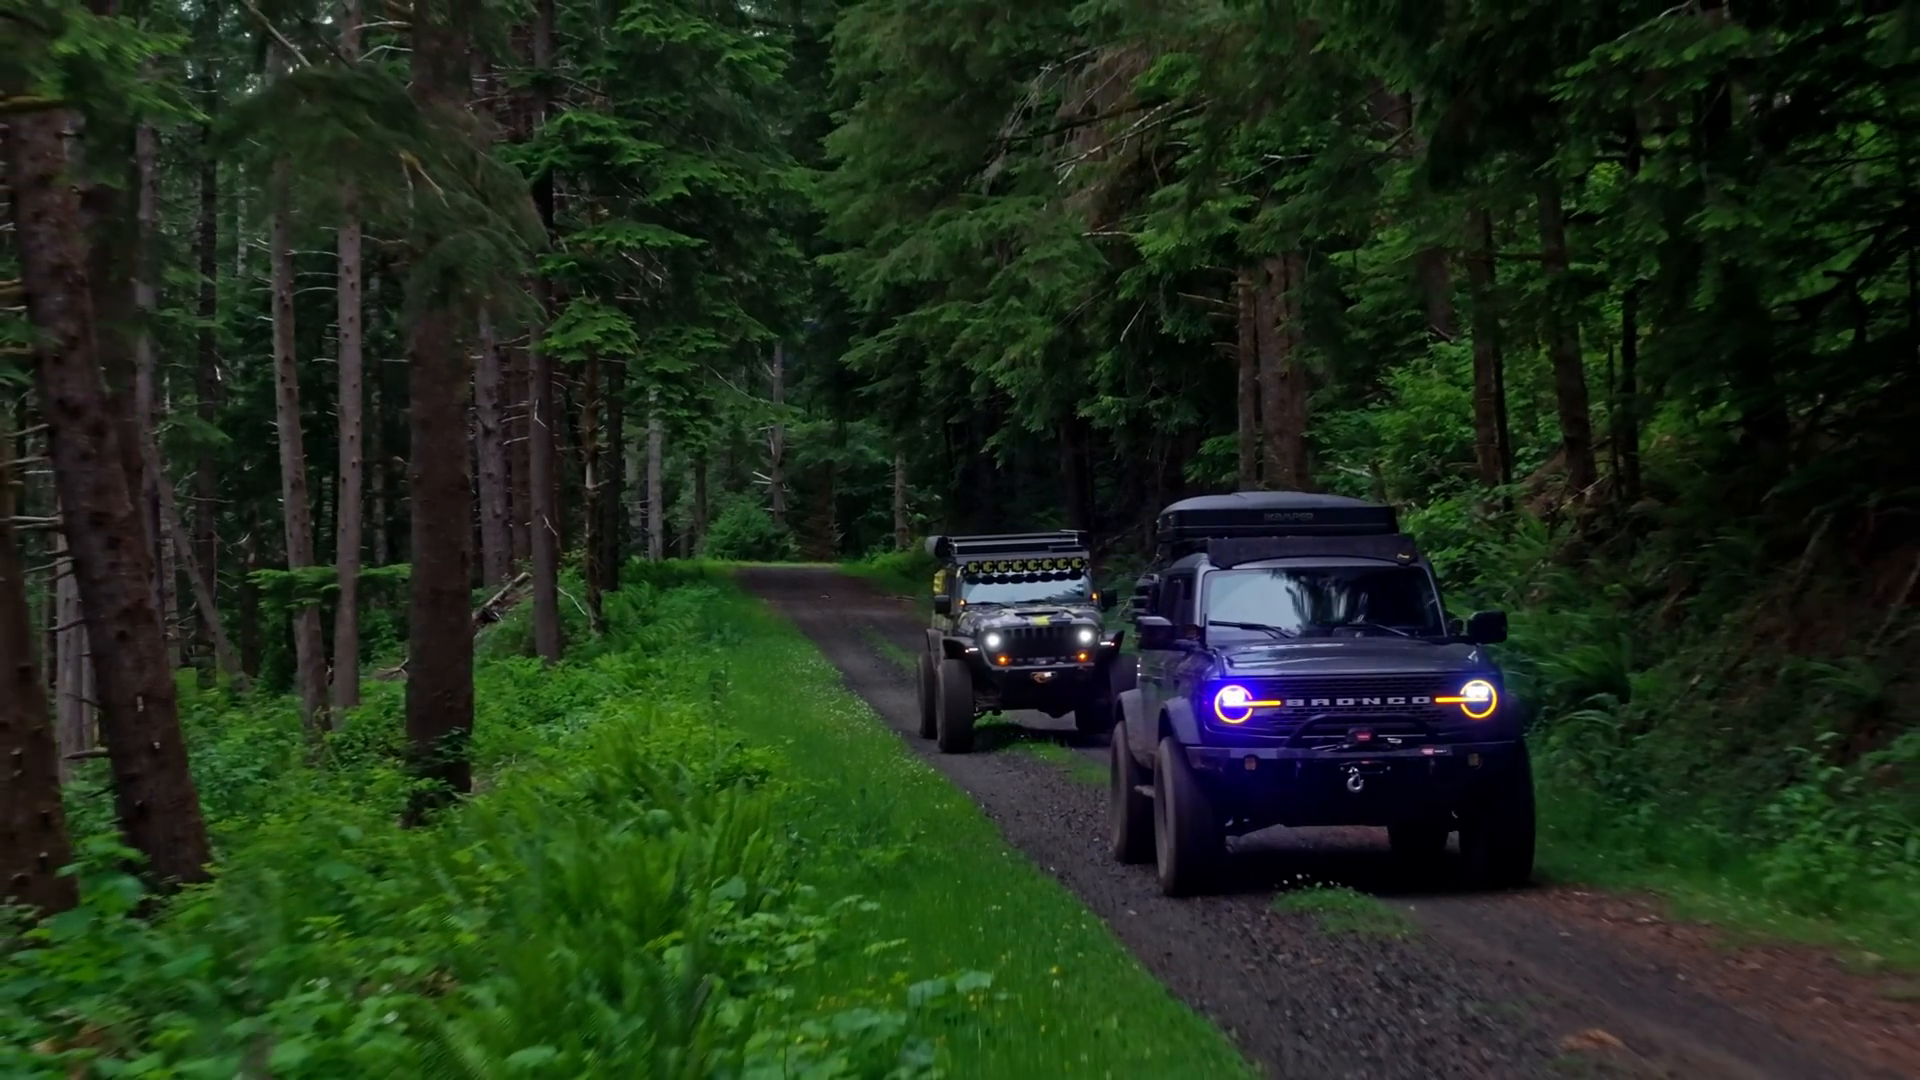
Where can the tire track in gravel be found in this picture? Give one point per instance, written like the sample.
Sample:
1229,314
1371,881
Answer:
1491,987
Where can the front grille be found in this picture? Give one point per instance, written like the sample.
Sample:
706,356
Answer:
1340,703
1362,694
1037,640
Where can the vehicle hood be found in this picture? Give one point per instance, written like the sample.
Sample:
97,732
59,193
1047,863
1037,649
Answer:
1024,615
1351,656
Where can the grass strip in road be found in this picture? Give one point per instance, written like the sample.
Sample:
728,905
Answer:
946,893
1341,910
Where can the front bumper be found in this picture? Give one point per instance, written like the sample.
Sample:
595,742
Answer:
1256,787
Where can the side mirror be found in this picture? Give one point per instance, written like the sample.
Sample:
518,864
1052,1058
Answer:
943,604
1487,627
1456,627
1107,601
1155,632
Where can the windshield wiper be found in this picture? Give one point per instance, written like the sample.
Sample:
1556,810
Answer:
1365,625
1276,631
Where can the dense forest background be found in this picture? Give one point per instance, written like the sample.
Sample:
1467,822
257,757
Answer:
333,331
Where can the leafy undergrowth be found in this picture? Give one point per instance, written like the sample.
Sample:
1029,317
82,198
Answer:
1737,739
693,856
902,573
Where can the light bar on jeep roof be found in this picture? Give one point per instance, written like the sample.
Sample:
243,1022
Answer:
1008,545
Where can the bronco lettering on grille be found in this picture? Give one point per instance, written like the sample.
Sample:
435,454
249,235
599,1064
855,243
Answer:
1348,702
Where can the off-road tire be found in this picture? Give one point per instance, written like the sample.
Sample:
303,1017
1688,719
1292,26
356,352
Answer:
953,708
1419,846
1129,811
1188,843
1497,828
928,683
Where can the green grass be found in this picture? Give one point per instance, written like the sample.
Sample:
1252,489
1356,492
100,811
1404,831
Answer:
951,896
693,854
1086,772
1340,910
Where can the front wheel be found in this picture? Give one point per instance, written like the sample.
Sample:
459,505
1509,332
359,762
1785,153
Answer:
927,684
1188,843
1497,828
1129,809
953,708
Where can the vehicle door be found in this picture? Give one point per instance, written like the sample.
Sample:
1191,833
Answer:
1159,668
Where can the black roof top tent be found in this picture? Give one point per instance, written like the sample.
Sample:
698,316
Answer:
1190,523
1067,542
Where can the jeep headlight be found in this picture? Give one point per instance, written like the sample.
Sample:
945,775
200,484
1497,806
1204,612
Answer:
1477,699
992,641
1086,635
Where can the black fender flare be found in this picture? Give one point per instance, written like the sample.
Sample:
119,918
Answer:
1140,736
1178,719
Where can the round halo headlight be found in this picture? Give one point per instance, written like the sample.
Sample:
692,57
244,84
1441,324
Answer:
992,641
1086,635
1478,699
1233,699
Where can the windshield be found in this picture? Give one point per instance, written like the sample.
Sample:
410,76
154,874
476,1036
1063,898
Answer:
1315,601
1071,591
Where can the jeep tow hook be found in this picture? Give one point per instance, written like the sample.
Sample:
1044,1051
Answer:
1355,782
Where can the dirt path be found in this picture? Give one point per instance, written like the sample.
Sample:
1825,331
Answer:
1542,983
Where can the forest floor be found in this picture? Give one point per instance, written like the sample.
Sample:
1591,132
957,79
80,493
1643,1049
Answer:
1321,960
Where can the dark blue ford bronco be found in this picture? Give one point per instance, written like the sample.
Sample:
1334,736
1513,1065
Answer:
1297,668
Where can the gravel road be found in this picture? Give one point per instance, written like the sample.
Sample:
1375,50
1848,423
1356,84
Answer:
1546,982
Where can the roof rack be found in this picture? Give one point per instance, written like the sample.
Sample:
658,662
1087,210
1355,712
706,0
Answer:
1062,542
1232,551
1187,525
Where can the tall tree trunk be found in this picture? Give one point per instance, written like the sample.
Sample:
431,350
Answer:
310,660
33,823
656,505
700,515
543,478
636,460
250,600
613,473
902,524
347,526
1247,367
348,539
1626,402
1283,384
518,492
496,536
777,437
208,388
379,464
154,795
146,385
439,621
1075,475
592,517
73,693
1563,345
1489,403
